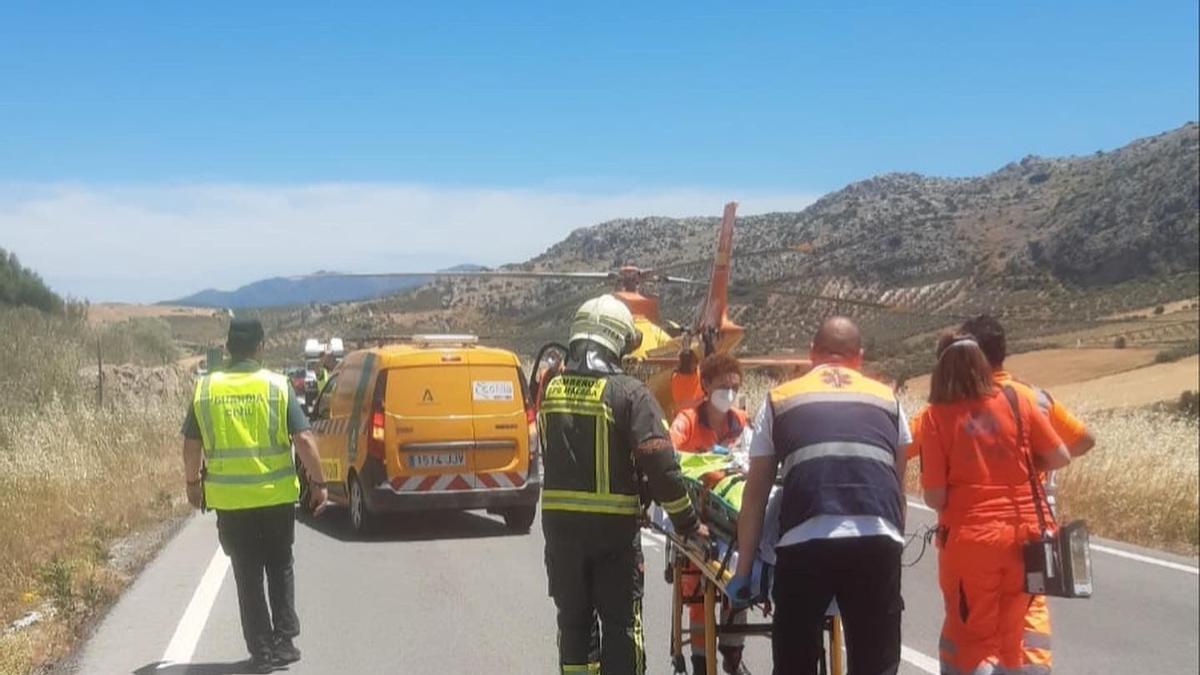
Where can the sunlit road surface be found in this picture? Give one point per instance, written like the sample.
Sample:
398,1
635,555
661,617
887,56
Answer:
456,593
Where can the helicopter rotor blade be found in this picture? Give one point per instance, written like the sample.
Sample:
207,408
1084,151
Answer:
666,278
503,274
833,298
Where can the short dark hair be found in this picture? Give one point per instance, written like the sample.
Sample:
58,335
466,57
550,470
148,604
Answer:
717,365
988,332
245,337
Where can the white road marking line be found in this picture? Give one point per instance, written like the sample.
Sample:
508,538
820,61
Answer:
912,656
1113,551
191,624
1146,559
919,506
916,658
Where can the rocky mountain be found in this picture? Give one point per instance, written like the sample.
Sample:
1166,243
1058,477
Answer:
1071,226
1053,245
323,287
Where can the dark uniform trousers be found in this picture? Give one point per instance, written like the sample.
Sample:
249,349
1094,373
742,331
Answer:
863,573
258,540
594,566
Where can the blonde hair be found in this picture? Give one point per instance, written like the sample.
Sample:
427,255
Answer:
962,371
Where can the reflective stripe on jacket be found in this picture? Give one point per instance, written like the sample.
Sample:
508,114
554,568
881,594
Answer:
247,448
835,433
582,473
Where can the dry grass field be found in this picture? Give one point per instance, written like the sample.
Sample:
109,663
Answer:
1052,368
74,478
114,312
1141,387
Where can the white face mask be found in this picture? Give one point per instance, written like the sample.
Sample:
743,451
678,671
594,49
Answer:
722,399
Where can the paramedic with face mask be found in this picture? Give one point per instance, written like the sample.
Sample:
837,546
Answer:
713,422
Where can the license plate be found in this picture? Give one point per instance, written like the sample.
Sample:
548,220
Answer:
437,460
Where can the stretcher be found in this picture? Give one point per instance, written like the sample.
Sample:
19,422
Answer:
715,482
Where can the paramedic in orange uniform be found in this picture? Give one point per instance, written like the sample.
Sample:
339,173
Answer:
687,390
988,332
712,422
974,474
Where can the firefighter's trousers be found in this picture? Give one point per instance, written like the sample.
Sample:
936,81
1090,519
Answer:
594,566
982,574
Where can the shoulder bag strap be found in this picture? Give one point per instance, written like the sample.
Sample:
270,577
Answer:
1011,395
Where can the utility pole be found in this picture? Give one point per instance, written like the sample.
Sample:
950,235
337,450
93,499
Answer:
99,375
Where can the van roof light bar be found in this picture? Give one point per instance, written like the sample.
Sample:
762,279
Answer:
445,340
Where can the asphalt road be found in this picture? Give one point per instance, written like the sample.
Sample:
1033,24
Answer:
456,593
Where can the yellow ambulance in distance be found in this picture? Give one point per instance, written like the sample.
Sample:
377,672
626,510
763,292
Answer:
438,423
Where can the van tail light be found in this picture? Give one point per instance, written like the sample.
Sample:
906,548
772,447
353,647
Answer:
376,434
375,445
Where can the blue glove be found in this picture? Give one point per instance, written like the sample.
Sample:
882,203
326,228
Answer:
738,590
720,450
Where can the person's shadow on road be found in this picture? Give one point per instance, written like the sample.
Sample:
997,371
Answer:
233,668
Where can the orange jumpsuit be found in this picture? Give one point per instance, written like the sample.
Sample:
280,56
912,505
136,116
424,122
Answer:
1070,430
690,433
1037,635
971,449
686,390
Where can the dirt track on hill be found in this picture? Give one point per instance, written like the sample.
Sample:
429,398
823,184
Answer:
1144,386
1054,368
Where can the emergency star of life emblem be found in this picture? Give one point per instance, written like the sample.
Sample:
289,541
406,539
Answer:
836,379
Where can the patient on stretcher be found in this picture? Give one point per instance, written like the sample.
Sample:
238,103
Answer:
721,476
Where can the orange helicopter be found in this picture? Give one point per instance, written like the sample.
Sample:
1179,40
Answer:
658,356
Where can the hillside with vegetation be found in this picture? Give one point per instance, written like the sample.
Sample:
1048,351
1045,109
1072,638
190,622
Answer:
89,462
22,287
1074,246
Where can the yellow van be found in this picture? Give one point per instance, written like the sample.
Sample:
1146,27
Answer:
436,423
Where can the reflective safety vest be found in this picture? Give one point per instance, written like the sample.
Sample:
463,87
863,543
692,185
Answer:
582,473
836,433
247,448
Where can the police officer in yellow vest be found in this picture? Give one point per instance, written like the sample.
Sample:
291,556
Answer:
840,438
600,428
242,423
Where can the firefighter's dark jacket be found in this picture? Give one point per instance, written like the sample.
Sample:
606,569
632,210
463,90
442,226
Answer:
600,429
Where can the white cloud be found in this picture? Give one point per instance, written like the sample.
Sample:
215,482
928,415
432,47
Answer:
155,242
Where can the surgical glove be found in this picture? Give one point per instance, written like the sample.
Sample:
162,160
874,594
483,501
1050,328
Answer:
720,450
738,591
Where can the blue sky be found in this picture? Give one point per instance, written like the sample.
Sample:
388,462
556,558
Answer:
180,116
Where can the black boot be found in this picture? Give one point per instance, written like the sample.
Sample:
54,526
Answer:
284,652
731,659
699,665
261,663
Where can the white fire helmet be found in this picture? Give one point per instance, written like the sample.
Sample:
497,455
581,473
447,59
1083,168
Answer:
606,321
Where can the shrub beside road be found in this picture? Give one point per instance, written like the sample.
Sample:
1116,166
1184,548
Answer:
75,477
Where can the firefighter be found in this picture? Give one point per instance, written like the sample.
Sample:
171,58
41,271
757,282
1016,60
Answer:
840,437
241,425
979,442
602,431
